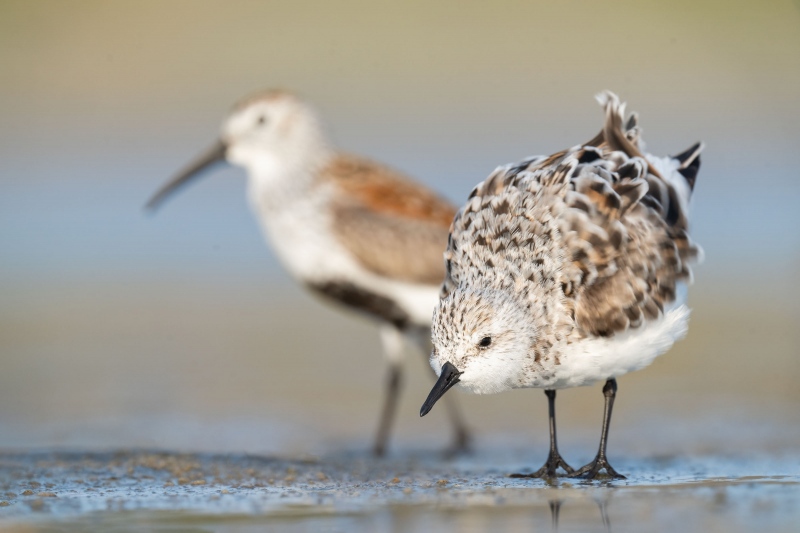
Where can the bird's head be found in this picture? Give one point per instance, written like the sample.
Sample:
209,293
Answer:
271,130
481,340
271,124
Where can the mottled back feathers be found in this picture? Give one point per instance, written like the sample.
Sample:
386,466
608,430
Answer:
604,223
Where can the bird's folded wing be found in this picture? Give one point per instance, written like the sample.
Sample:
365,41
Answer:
625,257
393,226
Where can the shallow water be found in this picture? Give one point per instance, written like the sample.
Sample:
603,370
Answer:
165,491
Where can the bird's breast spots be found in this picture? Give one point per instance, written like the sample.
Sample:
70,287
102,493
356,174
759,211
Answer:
368,302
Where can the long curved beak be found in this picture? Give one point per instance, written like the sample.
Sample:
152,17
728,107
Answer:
213,155
447,378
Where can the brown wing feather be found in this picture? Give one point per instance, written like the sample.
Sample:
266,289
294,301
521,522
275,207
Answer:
622,271
627,234
394,226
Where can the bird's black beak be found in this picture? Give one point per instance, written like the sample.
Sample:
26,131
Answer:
211,156
447,379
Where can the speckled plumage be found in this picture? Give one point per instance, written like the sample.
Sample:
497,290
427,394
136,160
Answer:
571,264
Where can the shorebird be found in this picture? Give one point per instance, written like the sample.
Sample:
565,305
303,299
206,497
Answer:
567,270
352,231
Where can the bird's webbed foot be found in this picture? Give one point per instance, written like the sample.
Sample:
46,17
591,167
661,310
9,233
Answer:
548,470
592,470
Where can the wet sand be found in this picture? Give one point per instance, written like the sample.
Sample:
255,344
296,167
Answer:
166,491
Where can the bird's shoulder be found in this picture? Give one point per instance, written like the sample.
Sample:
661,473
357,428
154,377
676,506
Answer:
390,224
507,231
372,186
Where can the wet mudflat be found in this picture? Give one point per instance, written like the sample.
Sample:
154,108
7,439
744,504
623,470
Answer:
163,491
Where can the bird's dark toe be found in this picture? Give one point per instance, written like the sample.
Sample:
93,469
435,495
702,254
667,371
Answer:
592,470
549,469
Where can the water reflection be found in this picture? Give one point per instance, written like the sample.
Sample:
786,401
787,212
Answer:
556,505
555,509
603,505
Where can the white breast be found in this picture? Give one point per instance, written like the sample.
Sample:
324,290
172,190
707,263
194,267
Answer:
297,223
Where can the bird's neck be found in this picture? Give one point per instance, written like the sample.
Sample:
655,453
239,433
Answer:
276,179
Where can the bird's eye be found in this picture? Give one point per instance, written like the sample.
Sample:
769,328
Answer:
485,342
261,120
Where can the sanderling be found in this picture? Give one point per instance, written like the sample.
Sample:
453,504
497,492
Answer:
349,229
566,270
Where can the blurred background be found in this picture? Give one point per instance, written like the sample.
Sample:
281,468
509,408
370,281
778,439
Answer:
180,330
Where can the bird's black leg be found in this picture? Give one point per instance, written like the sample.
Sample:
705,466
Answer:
389,408
554,459
600,462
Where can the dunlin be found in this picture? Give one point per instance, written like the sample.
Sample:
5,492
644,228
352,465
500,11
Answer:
567,270
351,230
